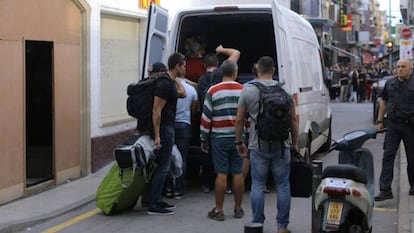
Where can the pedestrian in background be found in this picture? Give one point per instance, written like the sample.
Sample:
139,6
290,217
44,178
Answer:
217,133
398,102
344,83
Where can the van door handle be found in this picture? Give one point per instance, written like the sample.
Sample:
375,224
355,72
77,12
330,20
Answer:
323,94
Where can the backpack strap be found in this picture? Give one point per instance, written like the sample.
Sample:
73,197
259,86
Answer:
260,86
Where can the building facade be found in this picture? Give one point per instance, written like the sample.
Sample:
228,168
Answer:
65,65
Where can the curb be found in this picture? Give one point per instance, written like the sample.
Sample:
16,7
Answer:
21,225
403,218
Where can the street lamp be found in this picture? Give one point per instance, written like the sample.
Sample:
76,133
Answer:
389,45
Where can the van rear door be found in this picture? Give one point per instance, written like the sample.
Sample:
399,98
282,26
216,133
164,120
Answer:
282,43
156,38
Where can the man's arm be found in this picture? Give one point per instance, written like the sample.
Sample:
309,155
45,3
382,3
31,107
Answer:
240,119
158,105
180,88
233,54
381,112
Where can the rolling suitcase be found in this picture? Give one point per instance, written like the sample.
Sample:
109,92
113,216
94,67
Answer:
300,176
129,176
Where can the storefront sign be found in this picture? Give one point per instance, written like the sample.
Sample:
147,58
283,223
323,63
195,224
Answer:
406,33
406,49
146,3
343,19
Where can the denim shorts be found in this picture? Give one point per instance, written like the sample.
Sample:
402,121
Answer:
225,157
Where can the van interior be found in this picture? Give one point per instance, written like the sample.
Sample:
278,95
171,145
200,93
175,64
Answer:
250,33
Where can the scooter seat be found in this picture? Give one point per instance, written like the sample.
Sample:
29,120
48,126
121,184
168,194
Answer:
345,171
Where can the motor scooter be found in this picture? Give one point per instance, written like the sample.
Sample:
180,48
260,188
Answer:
344,199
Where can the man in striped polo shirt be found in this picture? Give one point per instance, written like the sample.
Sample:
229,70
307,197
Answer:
217,124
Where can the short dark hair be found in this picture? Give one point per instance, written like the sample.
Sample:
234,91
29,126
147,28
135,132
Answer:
158,67
266,65
228,67
210,60
175,59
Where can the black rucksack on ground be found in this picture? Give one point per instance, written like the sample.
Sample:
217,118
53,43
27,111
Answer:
273,119
140,100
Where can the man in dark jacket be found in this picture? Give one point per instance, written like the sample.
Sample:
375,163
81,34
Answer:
398,103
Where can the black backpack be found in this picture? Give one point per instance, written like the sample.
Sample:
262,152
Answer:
273,119
140,100
212,80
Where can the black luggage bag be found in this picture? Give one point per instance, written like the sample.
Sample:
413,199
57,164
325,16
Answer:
300,176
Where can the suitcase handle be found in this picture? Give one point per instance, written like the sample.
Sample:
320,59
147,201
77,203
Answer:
134,167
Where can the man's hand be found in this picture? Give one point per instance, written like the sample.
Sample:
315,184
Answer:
380,125
242,150
157,143
294,147
205,147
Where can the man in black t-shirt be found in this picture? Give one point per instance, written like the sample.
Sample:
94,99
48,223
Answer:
166,92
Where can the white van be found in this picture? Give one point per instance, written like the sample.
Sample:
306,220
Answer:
255,30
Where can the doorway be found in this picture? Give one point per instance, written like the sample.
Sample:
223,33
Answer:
39,112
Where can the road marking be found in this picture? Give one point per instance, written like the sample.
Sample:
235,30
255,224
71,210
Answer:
72,221
385,209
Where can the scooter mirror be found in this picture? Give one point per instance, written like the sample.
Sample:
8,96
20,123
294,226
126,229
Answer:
315,127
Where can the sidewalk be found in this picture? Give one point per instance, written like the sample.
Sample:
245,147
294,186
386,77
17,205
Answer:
22,213
25,212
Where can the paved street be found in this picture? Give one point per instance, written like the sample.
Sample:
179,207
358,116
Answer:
192,210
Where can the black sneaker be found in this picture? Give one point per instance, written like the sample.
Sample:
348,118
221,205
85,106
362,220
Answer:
178,195
228,191
169,193
159,211
165,205
205,189
384,195
411,192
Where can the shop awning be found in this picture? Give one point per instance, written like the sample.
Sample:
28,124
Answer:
343,52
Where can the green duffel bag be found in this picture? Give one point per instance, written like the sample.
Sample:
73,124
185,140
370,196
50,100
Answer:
121,188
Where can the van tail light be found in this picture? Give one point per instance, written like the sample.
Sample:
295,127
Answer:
336,191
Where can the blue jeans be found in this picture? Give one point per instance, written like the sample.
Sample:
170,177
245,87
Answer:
163,159
280,167
182,140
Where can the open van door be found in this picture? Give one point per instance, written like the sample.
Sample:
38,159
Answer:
282,42
156,38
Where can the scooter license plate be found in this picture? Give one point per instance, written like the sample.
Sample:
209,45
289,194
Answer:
334,212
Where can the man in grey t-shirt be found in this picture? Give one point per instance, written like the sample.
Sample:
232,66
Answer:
277,156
